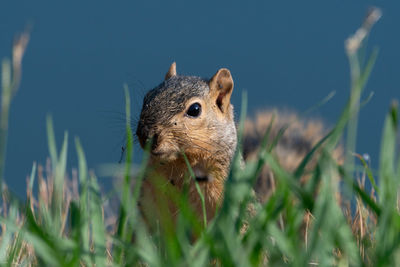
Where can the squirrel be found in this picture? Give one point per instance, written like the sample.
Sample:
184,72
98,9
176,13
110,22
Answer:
193,115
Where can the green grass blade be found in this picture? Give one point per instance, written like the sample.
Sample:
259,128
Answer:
5,106
84,227
389,221
301,168
6,237
201,195
126,195
327,220
97,223
368,172
51,140
46,248
124,233
388,183
146,248
15,249
76,221
83,170
282,175
358,83
242,118
32,176
58,193
6,80
361,192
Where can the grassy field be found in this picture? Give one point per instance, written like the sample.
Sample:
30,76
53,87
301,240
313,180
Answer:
70,222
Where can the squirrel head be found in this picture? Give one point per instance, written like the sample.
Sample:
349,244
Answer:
192,115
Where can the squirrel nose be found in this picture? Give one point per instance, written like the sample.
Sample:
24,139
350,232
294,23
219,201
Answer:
144,134
153,139
154,142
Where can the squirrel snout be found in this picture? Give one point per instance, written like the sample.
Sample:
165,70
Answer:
154,142
144,134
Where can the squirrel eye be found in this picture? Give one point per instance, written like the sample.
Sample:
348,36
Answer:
194,110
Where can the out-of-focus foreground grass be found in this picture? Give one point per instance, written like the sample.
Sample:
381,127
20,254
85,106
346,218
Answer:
70,222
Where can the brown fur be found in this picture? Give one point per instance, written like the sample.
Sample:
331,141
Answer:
209,140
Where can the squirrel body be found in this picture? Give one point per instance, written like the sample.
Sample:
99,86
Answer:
194,116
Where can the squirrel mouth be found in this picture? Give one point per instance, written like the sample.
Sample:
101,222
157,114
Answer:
157,154
201,174
202,179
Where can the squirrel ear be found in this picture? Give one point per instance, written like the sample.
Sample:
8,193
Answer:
221,86
171,72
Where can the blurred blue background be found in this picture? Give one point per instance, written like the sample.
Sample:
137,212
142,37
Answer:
286,54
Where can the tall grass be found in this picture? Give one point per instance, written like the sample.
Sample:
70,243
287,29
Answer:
10,79
72,223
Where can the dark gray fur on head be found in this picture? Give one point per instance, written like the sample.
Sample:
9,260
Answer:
172,94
